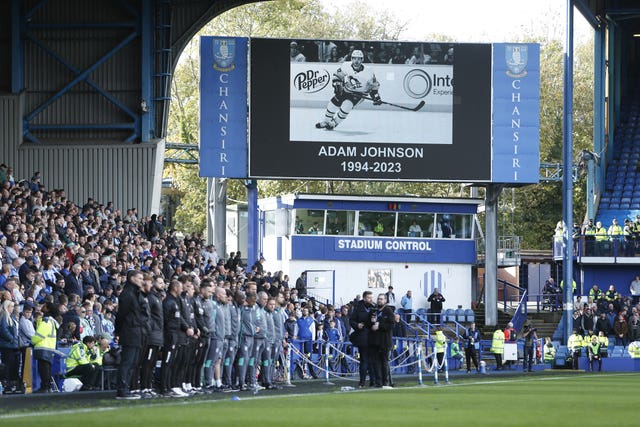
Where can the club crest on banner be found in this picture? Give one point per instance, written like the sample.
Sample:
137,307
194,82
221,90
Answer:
224,52
516,58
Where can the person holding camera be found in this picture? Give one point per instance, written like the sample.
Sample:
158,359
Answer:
471,347
530,338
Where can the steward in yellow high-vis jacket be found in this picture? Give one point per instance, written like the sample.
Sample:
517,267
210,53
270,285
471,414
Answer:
81,363
497,347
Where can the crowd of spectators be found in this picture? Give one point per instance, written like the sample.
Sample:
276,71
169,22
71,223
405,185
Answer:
71,262
374,52
607,313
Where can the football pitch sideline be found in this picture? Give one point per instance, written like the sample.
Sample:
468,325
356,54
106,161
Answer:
554,399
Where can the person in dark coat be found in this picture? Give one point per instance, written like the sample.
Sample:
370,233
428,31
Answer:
132,326
176,330
152,289
380,340
435,299
360,322
73,282
301,285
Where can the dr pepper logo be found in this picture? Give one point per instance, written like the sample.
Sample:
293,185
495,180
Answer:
311,81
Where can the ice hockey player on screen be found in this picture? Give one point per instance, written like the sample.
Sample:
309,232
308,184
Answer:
352,83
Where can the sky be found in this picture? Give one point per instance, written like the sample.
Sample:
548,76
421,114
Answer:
477,20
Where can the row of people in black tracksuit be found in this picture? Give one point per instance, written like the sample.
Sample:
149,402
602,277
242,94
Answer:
195,327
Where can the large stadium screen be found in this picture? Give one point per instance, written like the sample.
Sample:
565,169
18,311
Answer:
371,110
395,111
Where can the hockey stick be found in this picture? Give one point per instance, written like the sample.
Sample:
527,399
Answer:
416,108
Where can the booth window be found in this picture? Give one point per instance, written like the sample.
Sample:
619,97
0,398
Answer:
341,223
309,221
270,223
415,225
376,224
454,226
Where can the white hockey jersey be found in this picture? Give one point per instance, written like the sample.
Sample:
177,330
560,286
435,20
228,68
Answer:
361,81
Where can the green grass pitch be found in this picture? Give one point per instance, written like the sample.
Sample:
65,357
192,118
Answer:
539,400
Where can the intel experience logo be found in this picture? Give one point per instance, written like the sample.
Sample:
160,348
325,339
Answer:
417,83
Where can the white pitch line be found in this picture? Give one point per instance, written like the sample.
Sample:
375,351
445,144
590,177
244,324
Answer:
295,395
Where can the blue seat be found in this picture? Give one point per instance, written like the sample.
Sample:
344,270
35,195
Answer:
469,315
422,313
460,315
448,315
562,350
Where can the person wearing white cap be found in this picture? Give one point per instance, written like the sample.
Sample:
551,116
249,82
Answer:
295,54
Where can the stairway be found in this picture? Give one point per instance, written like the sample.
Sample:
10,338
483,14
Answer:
545,322
487,331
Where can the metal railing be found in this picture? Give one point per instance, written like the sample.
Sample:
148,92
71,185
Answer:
422,325
588,246
508,250
545,302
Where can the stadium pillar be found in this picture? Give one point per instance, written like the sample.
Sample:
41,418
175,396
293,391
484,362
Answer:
491,255
217,214
591,180
599,96
567,177
253,246
17,47
147,57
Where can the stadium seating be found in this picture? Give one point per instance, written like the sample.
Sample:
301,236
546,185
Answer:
422,313
470,316
621,196
561,355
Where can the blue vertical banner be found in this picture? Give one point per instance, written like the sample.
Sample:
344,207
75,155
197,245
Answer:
223,107
515,128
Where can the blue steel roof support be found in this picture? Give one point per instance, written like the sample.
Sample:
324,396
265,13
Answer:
79,78
17,47
587,13
612,89
162,65
76,72
89,25
132,20
146,47
35,8
127,6
110,126
599,104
